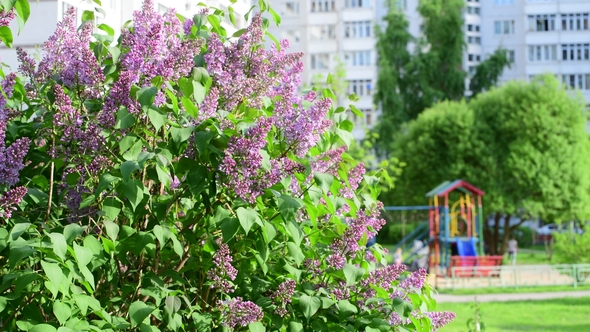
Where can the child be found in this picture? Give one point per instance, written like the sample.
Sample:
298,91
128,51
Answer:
397,257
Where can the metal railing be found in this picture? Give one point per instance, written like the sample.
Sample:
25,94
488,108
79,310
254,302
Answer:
515,276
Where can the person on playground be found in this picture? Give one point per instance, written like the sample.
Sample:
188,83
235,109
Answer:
512,249
397,257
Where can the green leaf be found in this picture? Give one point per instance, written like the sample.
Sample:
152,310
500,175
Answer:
87,201
309,305
43,328
6,36
60,246
346,136
324,181
247,218
115,52
229,228
157,118
190,107
275,17
256,327
61,311
146,96
111,207
18,230
54,274
124,119
84,301
295,326
133,191
110,31
180,135
173,304
346,309
72,231
87,16
23,9
17,254
38,196
295,231
352,274
269,232
202,139
83,255
104,181
112,229
138,312
199,92
295,252
128,167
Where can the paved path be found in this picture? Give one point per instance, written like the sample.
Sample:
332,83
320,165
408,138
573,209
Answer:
509,297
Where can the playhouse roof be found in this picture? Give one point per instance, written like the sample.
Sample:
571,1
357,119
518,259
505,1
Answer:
448,186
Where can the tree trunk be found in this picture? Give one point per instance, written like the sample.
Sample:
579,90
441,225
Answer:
507,231
495,234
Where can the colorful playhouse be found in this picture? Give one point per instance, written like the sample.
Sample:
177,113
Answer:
454,231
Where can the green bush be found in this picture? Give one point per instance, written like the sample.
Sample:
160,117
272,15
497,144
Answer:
392,233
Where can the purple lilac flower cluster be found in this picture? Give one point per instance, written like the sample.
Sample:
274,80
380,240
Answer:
282,296
384,277
236,312
67,55
6,17
11,158
440,319
415,280
223,269
10,199
154,48
368,222
355,176
8,89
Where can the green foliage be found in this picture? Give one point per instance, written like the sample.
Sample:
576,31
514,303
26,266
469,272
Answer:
571,248
158,224
489,71
524,144
392,233
410,82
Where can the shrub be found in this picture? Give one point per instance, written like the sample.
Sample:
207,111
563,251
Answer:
176,180
392,233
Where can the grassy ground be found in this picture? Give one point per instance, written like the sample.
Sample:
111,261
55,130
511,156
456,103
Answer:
506,290
529,258
558,315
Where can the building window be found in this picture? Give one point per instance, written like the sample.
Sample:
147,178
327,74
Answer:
473,27
574,21
472,0
471,70
504,27
511,56
542,52
474,40
575,52
360,3
576,81
358,59
358,29
503,2
541,22
473,10
293,36
322,32
474,57
320,61
319,6
290,8
359,87
365,120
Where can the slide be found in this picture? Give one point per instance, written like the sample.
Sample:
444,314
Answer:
466,247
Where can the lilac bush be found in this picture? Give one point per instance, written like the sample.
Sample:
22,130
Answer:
177,179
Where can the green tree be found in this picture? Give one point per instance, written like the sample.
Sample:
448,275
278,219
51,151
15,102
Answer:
489,71
411,81
534,155
524,144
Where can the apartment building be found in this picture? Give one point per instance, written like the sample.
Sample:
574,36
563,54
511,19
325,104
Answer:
330,32
46,13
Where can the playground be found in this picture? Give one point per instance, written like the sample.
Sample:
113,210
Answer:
450,246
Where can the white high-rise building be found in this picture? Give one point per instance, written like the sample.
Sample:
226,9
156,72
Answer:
541,36
46,13
330,32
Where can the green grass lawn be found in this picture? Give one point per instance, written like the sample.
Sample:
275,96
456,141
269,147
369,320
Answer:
506,290
525,258
558,315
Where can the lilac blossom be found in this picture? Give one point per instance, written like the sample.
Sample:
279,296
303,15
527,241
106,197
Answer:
7,90
282,296
11,158
415,280
355,176
394,319
383,277
67,55
6,17
10,200
223,269
440,319
236,312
